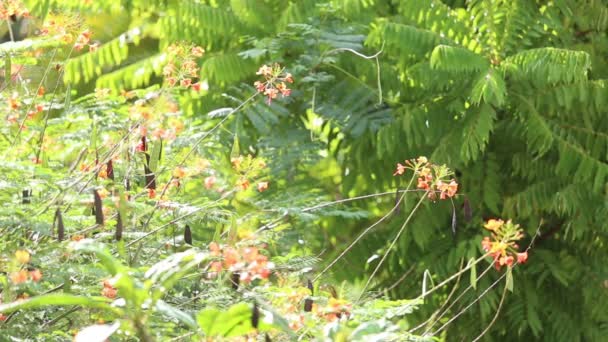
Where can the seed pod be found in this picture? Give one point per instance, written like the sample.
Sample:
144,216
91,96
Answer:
308,301
188,235
60,227
267,338
110,169
98,208
150,178
235,279
118,233
27,196
255,316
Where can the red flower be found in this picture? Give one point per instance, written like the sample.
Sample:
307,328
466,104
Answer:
196,86
185,82
522,257
36,275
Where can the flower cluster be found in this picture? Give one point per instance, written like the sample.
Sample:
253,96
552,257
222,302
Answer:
247,262
274,81
65,28
502,246
182,68
9,8
431,178
23,275
248,168
108,291
14,107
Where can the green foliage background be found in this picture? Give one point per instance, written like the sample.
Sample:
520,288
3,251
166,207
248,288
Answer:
511,94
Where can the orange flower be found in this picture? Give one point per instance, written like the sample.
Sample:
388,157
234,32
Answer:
209,182
41,91
197,51
486,244
243,183
522,257
262,186
494,225
23,257
151,193
452,188
236,161
109,291
77,237
422,184
3,317
506,260
19,277
36,275
215,249
400,169
179,172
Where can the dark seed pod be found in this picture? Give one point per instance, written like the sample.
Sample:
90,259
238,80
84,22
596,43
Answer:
150,178
110,169
27,196
308,301
60,227
255,316
308,305
235,279
118,233
98,208
188,235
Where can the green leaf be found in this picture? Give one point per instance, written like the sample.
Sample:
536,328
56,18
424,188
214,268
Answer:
155,155
176,313
509,284
59,300
107,260
473,272
234,322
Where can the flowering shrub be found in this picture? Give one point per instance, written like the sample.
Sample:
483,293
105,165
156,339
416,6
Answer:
124,206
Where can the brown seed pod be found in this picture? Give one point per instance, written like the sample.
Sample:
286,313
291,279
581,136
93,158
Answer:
110,169
119,228
235,279
255,315
60,227
27,196
97,206
188,235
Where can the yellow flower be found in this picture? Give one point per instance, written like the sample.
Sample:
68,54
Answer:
494,225
23,257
